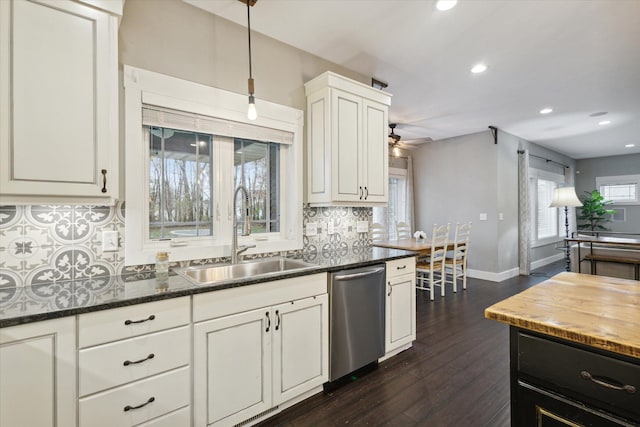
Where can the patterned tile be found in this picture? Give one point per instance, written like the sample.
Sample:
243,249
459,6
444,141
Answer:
46,244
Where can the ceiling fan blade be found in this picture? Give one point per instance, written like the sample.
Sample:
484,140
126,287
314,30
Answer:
415,142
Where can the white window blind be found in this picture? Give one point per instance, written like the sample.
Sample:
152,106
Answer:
619,189
168,118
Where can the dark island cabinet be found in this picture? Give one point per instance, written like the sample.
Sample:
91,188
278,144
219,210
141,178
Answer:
557,383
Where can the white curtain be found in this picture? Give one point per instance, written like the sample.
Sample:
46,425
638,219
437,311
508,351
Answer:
524,214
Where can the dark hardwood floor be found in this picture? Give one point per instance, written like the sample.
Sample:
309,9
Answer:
456,374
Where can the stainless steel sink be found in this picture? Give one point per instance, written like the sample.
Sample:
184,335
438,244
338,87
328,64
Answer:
221,273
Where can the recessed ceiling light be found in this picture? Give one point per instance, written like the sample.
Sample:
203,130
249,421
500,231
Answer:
599,113
446,4
604,122
546,110
479,68
630,145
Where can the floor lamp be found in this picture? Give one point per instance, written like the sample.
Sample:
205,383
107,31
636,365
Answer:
565,196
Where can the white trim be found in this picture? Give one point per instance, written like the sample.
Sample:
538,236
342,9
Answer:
620,180
193,97
548,260
493,277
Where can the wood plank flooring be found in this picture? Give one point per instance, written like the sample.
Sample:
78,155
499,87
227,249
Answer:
456,374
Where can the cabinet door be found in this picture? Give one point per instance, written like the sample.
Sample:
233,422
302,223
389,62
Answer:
346,132
38,374
232,367
400,312
58,114
300,347
375,152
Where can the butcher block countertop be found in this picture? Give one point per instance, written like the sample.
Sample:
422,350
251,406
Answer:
598,311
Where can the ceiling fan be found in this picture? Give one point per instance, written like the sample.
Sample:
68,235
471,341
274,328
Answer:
396,141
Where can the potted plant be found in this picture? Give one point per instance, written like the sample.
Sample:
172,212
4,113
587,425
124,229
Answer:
594,212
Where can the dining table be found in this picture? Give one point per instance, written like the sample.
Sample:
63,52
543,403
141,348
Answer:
423,246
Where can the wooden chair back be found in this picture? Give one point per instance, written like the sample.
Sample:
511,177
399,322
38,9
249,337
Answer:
403,231
378,232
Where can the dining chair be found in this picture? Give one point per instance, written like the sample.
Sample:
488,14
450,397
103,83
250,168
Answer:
456,263
403,230
432,272
378,232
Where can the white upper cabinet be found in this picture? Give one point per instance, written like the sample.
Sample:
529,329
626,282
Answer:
59,111
347,154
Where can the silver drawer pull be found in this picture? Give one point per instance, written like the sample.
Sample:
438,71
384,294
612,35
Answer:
600,381
129,322
129,407
135,362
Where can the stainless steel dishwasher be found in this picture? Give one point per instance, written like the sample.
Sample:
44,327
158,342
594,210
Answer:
356,320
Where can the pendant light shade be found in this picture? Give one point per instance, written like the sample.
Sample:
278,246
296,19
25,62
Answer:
252,113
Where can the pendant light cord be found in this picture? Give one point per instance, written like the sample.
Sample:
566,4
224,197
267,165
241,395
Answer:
249,33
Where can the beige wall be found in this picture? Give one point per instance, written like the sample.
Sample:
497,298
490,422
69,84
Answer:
180,40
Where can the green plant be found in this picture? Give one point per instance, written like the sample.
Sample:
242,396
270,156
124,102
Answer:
594,212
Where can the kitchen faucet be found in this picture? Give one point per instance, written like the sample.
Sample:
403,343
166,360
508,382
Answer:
246,226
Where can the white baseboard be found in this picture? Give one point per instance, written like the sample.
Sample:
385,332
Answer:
548,260
493,277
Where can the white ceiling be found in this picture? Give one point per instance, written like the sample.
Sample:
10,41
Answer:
576,56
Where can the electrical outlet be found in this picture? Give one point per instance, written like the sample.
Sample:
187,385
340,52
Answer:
109,241
362,226
483,216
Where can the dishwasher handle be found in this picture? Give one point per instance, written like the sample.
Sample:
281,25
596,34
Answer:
359,274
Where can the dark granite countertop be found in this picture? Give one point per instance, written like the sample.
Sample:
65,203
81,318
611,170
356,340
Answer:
26,304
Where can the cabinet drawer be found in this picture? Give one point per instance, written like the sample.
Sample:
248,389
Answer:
122,406
581,374
179,418
106,366
110,325
399,267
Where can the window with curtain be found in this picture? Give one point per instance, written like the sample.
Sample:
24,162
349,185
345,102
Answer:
544,219
396,210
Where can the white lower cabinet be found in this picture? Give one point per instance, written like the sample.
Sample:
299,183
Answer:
246,364
137,402
400,329
134,365
300,347
38,374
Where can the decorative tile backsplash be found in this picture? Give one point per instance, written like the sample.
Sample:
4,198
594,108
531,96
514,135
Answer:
51,244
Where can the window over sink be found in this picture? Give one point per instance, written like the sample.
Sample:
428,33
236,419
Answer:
188,147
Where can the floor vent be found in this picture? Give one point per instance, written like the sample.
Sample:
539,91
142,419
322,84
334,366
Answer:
256,417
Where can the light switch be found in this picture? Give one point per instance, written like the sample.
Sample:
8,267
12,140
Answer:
501,216
483,216
312,229
109,241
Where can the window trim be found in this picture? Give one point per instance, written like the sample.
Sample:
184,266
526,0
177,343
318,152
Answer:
535,175
620,180
178,94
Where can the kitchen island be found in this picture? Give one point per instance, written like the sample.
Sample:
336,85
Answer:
575,351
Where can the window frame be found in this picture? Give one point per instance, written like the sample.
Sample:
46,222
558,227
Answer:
602,181
534,176
177,94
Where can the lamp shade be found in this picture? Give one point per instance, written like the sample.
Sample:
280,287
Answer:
565,196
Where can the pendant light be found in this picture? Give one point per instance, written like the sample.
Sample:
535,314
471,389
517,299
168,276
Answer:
252,114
